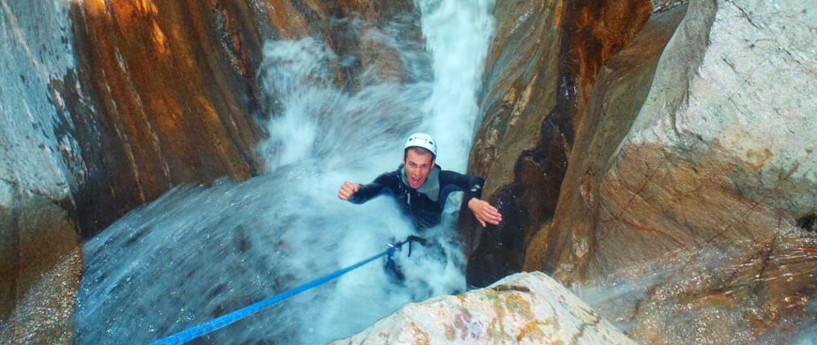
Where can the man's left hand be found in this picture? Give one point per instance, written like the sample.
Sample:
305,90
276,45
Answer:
484,212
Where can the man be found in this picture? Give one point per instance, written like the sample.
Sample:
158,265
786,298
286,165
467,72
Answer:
421,187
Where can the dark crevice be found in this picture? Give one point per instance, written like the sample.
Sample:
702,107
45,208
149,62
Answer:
808,222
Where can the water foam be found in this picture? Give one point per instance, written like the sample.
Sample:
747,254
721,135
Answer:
200,252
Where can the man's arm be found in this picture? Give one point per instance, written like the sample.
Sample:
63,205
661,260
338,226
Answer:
358,194
472,186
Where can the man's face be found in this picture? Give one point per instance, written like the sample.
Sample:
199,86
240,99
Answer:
418,165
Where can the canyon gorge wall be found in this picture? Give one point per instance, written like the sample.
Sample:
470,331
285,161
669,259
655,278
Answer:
677,134
614,136
106,106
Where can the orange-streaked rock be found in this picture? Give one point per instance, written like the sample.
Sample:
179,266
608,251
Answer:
171,94
682,151
542,67
619,92
164,93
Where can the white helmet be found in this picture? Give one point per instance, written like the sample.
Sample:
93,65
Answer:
421,140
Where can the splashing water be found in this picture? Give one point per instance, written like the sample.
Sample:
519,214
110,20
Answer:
201,252
458,63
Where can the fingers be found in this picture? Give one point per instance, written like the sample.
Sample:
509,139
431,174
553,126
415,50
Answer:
347,190
491,215
484,212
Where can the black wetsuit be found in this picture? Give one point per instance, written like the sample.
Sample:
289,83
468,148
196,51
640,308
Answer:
423,205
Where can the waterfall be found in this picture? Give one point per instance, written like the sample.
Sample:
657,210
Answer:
199,252
457,34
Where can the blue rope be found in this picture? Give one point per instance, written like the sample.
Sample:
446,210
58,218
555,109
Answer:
225,320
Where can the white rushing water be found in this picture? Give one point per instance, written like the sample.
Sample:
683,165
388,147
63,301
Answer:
201,252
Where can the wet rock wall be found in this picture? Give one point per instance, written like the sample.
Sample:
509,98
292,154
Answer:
690,138
107,105
542,67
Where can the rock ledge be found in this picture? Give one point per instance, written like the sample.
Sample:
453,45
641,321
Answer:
524,308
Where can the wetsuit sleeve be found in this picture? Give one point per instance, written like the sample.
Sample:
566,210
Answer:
471,185
381,185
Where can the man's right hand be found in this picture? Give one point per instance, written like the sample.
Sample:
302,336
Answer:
347,190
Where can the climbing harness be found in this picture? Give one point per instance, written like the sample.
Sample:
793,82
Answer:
225,320
408,240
